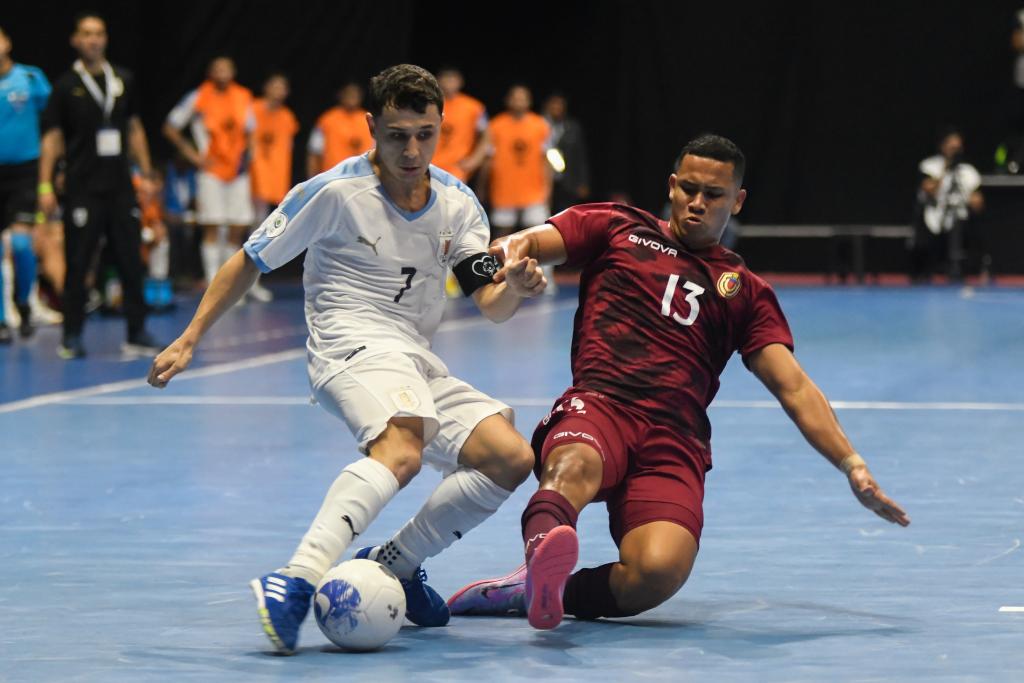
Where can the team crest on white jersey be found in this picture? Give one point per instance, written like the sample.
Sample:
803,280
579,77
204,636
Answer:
444,244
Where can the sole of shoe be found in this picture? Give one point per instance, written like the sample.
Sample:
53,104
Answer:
137,350
462,591
552,562
69,354
268,626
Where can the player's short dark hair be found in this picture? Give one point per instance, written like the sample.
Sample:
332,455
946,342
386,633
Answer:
404,86
275,73
719,148
87,14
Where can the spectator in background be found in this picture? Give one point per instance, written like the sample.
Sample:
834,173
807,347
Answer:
275,131
462,147
519,176
92,119
568,155
1010,154
341,132
948,195
518,173
155,243
180,189
219,113
23,93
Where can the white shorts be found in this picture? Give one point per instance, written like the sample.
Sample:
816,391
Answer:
368,394
220,202
525,217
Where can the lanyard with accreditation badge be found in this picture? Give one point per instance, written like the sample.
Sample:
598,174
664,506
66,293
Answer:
108,138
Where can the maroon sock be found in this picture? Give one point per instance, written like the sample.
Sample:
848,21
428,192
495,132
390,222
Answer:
545,511
588,595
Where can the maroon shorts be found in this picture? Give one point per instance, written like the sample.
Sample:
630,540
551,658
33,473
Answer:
651,473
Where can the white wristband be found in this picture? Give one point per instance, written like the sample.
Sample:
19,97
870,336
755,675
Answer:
849,462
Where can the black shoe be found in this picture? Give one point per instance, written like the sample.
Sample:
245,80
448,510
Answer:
5,334
71,347
26,329
142,343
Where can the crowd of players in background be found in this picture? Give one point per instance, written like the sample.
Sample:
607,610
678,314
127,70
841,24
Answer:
234,164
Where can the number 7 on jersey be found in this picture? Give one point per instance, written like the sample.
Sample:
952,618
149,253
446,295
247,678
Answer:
411,273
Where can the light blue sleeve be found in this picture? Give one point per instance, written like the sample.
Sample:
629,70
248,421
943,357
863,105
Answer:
299,222
41,88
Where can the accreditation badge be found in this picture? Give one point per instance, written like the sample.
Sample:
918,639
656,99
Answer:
108,142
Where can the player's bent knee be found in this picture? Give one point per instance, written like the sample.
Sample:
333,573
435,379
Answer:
499,452
400,448
573,463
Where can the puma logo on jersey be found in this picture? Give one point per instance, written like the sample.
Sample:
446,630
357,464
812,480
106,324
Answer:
371,245
653,244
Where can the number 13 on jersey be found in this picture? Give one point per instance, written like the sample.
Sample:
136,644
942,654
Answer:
691,298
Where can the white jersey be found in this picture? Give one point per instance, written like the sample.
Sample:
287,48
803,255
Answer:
374,273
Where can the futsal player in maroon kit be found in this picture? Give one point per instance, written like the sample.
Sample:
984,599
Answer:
662,309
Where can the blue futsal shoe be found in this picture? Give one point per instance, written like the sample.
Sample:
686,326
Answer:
282,602
423,605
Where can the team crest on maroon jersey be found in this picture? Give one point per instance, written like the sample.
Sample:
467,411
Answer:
729,285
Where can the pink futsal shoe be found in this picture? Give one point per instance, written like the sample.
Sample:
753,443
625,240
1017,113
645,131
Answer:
546,574
504,597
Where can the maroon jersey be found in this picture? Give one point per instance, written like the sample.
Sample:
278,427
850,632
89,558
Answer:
657,323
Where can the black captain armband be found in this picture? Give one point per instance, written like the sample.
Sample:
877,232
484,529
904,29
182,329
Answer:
476,271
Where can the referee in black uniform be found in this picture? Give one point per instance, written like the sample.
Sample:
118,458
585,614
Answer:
92,118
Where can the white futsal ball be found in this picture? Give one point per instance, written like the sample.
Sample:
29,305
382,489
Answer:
359,605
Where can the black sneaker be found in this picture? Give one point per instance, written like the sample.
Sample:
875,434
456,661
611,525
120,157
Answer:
71,347
5,334
142,343
26,328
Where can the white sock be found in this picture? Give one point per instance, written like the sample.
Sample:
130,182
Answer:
462,500
353,501
209,253
159,257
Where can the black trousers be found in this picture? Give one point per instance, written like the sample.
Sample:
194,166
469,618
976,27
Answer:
87,218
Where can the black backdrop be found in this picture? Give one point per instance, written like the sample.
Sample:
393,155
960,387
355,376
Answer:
833,102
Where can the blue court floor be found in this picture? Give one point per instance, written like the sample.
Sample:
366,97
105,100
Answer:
131,520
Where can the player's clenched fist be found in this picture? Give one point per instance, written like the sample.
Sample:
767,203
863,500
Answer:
522,273
172,360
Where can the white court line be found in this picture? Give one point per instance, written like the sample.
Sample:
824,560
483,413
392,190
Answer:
1011,608
522,402
1012,548
244,364
171,400
124,385
886,405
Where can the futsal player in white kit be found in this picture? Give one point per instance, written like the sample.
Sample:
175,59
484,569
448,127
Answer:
381,229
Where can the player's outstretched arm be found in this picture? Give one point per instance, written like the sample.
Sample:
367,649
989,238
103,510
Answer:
234,279
542,242
807,406
519,275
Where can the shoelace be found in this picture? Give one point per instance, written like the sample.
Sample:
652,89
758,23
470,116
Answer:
420,576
